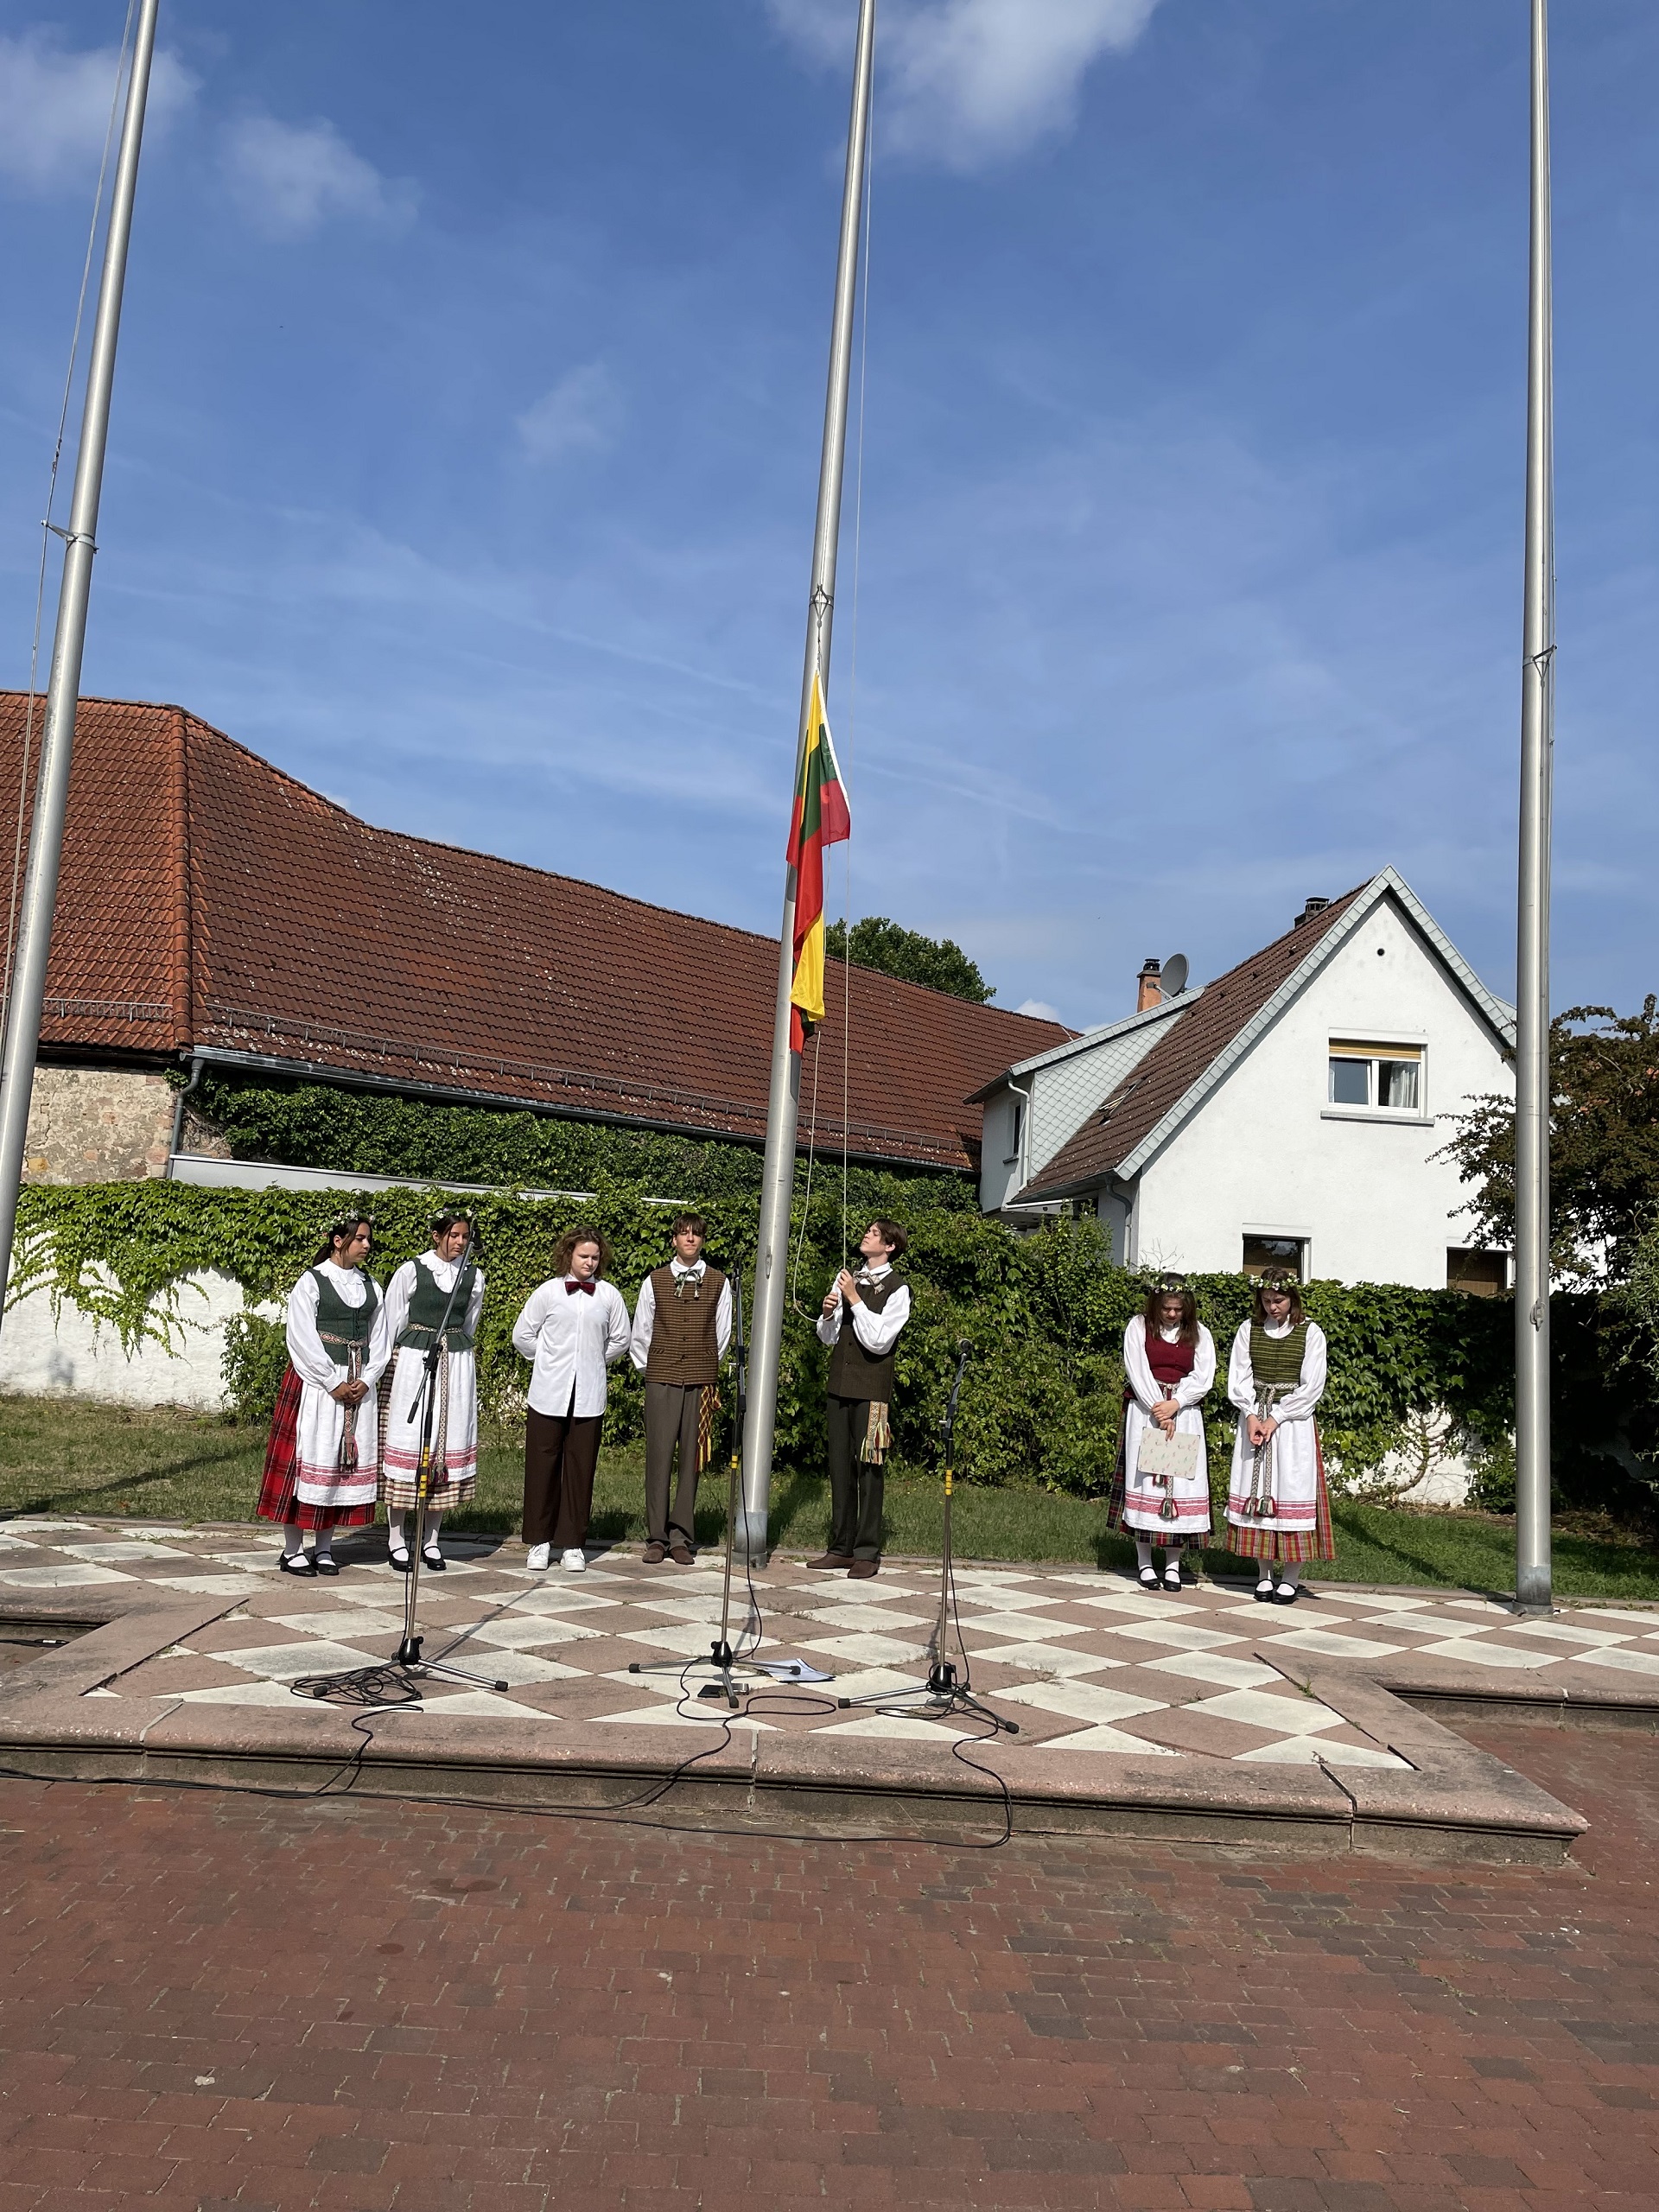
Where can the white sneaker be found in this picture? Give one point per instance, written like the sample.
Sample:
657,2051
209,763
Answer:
573,1562
541,1558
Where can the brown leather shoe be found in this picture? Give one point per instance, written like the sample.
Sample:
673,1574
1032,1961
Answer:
831,1563
681,1556
862,1569
654,1554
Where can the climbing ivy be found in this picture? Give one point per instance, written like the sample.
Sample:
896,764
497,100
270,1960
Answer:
1044,1313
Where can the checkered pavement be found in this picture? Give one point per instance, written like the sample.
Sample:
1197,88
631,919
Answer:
1083,1661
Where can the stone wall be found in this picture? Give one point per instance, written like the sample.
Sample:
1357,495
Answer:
67,1354
105,1125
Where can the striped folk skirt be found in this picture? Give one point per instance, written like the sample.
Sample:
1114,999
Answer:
277,1498
1250,1539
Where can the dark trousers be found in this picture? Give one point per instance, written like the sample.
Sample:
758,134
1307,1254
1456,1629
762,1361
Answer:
560,1454
856,1488
673,1410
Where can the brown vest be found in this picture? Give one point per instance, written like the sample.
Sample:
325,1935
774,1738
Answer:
854,1372
684,1347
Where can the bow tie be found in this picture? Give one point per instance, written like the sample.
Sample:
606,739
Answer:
580,1282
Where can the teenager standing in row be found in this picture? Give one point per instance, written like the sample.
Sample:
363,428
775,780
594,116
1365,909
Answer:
682,1327
441,1291
573,1330
1169,1368
1278,1504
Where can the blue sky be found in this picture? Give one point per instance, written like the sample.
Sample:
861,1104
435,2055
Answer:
466,438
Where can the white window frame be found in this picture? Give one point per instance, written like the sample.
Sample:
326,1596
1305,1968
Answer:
1371,1046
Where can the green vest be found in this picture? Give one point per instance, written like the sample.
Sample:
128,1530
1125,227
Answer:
342,1326
1277,1359
426,1303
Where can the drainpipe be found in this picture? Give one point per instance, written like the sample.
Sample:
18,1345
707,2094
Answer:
196,1066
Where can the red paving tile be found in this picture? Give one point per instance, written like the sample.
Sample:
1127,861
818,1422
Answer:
221,2000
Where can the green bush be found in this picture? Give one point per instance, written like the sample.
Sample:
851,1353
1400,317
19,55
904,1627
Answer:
1044,1311
256,1353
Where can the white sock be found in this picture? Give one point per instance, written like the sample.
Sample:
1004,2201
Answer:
1172,1557
1143,1551
1288,1575
293,1540
325,1543
429,1541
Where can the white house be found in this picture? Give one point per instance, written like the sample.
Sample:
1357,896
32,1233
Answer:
1289,1112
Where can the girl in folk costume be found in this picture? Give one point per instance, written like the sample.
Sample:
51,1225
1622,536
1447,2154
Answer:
1278,1506
322,1458
1169,1367
443,1289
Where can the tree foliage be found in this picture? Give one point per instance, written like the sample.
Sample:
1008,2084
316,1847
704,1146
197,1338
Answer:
892,949
1604,1146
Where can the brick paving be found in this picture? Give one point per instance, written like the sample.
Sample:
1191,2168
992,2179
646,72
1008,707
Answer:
1084,1661
216,2000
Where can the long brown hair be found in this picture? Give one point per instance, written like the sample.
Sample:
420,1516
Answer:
565,1250
1155,1297
1293,1291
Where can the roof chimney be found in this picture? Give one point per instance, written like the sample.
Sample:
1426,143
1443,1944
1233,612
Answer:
1148,991
1313,907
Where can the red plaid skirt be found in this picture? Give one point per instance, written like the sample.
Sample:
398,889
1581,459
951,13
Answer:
1315,1543
276,1499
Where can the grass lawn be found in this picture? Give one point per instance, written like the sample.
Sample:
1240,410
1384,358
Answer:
70,1456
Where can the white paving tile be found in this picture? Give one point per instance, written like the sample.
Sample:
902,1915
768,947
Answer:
515,1667
1629,1658
1081,1701
1568,1632
692,1639
203,1586
858,1617
1648,1622
259,1692
1219,1667
17,1544
439,1702
1026,1625
1331,1643
670,1716
1479,1653
1312,1751
79,1576
1180,1636
282,1663
338,1621
516,1632
867,1650
902,1727
41,1520
1105,1739
1047,1659
113,1555
559,1600
1288,1716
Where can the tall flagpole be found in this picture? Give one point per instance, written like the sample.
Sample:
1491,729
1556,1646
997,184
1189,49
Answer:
63,689
784,1101
1532,1085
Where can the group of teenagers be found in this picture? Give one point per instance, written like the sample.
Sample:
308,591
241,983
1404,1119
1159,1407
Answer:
363,1395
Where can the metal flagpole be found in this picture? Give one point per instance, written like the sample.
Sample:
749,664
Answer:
63,689
1532,1085
784,1102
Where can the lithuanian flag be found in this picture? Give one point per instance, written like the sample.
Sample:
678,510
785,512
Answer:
819,818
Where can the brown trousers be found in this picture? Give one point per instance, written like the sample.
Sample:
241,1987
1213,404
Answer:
671,1414
857,1489
560,1454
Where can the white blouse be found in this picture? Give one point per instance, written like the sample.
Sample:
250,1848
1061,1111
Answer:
1297,1404
314,1360
401,1289
571,1337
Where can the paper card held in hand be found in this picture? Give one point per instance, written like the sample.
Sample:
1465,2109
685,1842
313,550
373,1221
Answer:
1167,1458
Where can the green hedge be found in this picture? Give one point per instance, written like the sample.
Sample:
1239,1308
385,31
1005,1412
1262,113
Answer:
1044,1311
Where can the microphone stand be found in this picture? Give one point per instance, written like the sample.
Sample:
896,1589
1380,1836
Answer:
945,1690
721,1659
409,1659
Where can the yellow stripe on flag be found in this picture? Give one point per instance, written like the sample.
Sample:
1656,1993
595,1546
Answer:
807,991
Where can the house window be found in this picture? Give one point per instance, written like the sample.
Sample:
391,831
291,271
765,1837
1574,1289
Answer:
1287,1255
1382,1078
1483,1274
1017,1129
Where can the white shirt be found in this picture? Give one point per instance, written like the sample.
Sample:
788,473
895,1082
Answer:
877,1332
1192,1388
314,1361
401,1289
644,1310
572,1337
1297,1404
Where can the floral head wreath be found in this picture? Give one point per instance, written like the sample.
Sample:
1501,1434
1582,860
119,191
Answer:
343,1223
448,1217
1169,1281
1277,1279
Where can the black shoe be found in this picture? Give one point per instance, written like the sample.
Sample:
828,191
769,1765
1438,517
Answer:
1264,1593
1173,1580
303,1564
401,1562
1149,1578
1286,1593
432,1559
324,1564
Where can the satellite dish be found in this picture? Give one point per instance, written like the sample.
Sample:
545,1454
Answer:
1173,977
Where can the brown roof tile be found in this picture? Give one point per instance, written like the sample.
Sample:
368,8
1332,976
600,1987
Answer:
1193,1044
209,900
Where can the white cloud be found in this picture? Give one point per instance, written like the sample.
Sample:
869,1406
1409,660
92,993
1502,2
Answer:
965,82
1040,1008
292,177
54,107
580,414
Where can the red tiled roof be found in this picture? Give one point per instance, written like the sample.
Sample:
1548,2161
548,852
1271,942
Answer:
1192,1045
209,901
